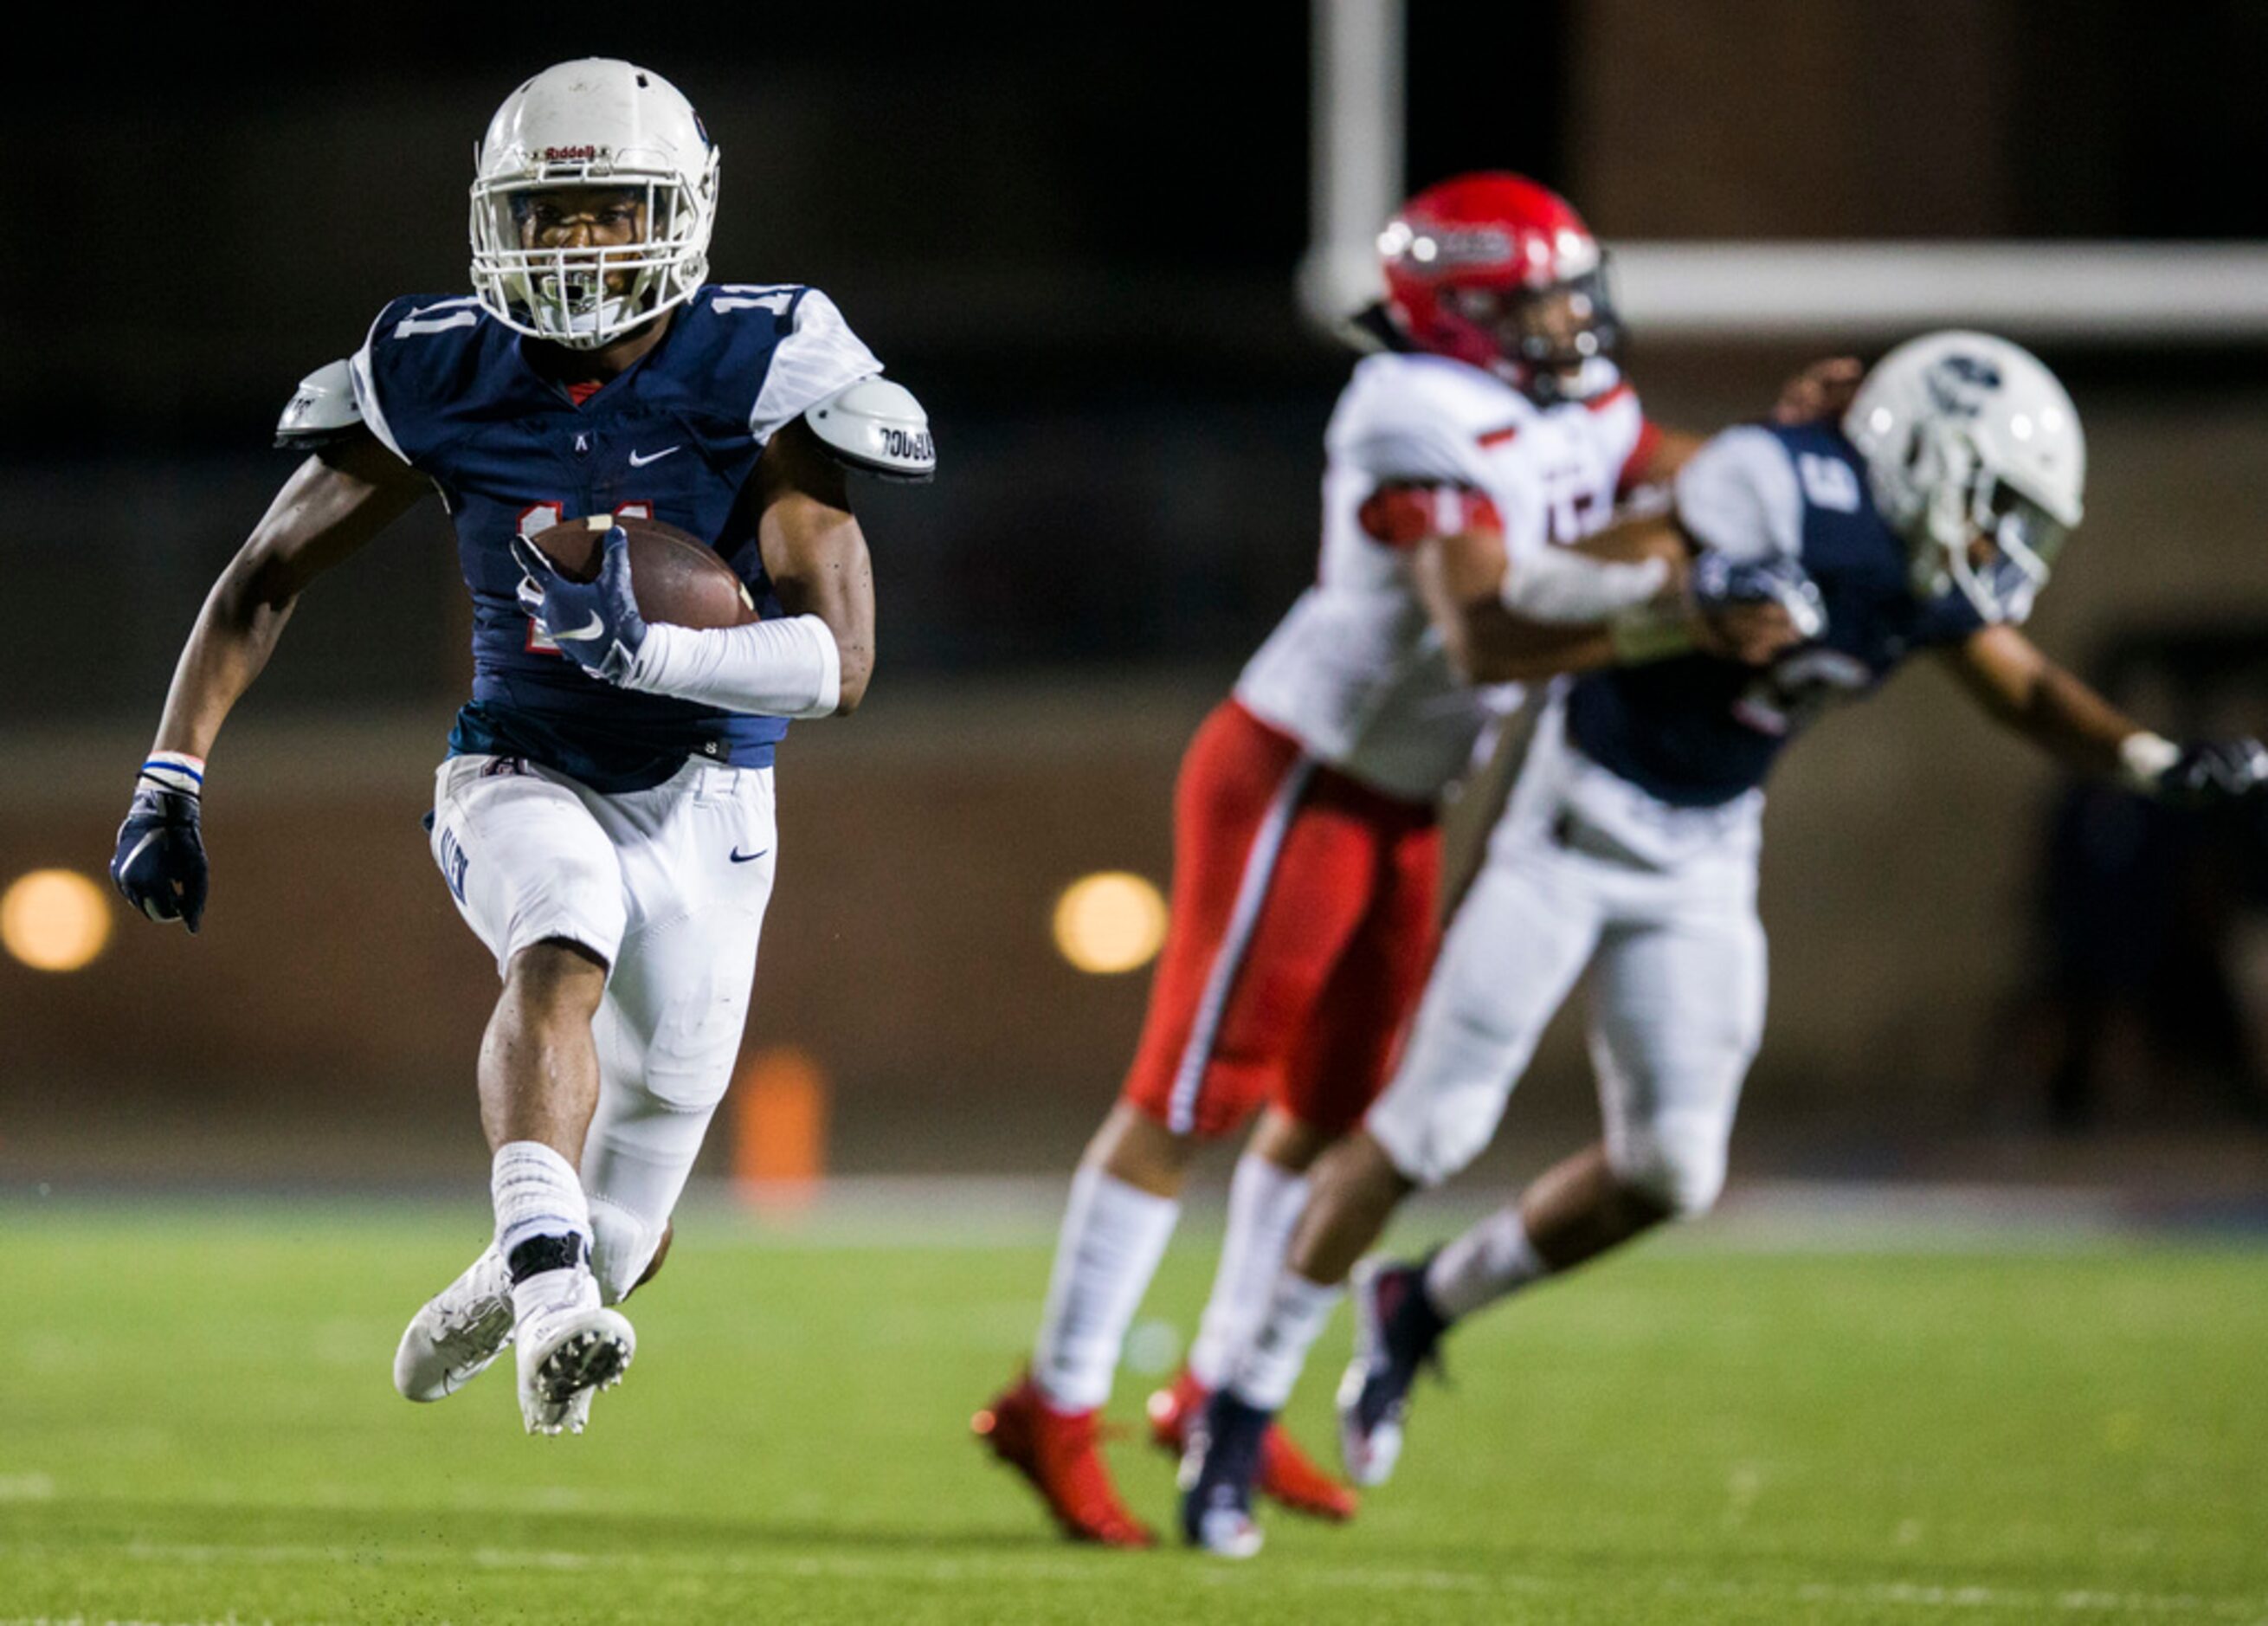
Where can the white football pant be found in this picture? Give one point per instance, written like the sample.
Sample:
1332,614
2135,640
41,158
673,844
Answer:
1584,869
667,885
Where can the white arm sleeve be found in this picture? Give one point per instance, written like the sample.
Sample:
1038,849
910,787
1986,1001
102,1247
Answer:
789,668
1738,496
1561,585
819,357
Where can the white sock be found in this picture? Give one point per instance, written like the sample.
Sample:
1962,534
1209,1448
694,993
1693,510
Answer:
537,1195
1270,1367
1264,1205
1493,1259
1113,1236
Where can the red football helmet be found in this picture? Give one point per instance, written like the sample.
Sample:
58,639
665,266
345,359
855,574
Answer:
1497,271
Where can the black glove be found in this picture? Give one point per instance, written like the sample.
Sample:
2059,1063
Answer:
160,861
2211,772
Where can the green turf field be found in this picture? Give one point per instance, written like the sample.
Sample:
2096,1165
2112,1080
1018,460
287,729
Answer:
196,1424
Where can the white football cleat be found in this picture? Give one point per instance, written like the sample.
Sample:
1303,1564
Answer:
459,1331
571,1347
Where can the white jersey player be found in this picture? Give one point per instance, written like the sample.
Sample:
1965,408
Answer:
1926,522
1306,846
604,818
1423,446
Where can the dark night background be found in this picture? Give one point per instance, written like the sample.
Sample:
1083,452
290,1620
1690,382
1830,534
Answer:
1073,234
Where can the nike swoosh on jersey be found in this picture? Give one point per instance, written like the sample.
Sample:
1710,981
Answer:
597,626
739,857
639,462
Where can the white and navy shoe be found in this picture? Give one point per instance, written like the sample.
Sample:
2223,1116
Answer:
462,1329
571,1347
1397,1332
1218,1470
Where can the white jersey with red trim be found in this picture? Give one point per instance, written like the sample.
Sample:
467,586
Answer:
1420,446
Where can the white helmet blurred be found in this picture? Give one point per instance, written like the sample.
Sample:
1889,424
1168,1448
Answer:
597,123
1969,438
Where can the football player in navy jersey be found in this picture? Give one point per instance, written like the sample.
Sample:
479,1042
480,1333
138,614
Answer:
1926,521
604,819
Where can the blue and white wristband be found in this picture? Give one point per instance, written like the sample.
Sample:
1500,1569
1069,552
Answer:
177,771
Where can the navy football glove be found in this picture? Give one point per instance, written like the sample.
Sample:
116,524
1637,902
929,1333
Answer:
596,623
160,861
1719,581
2211,772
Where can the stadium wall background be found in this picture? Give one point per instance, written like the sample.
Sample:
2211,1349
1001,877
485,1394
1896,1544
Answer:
1093,292
322,1026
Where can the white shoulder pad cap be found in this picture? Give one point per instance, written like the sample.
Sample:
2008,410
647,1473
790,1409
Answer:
324,406
878,427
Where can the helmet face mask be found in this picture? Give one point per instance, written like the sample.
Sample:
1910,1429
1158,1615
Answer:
1974,454
1501,274
1984,539
1544,338
592,206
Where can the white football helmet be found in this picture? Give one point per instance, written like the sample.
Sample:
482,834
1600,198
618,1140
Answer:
602,124
1974,454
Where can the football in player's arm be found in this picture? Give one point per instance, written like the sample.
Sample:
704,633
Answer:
604,820
340,498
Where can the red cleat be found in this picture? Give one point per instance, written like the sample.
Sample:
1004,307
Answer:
1056,1452
1288,1475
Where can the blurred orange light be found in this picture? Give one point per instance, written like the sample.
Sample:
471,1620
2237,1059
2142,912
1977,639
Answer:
779,1148
54,919
1109,922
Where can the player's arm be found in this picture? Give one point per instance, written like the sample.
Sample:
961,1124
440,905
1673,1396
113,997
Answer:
2019,687
1623,597
815,661
1662,452
1469,587
335,502
815,552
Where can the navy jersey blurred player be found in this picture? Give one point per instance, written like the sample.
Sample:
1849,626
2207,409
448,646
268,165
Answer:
1495,426
1630,844
604,819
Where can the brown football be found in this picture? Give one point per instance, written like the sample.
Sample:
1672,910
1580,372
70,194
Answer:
676,576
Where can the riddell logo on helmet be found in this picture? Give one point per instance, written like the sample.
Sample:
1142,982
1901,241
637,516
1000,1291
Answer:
569,155
1480,246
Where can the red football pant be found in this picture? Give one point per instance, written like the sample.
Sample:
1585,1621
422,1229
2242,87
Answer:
1302,925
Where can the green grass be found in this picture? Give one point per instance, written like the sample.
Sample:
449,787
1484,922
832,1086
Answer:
196,1424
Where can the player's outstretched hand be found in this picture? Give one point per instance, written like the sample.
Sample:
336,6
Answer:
1821,392
2211,772
159,865
596,623
1752,610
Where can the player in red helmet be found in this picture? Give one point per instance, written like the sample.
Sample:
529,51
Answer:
1494,427
1502,274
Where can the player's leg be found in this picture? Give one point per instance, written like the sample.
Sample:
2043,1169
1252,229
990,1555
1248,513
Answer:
1266,1193
1677,1009
669,1031
1519,941
1342,1062
536,877
1247,949
1678,1014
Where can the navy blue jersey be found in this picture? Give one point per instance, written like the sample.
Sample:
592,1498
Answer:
1696,731
674,438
